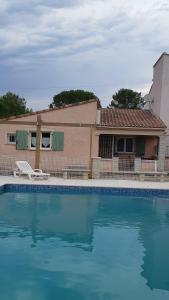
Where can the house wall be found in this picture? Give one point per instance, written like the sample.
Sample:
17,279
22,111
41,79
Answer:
84,113
160,91
156,90
77,140
76,143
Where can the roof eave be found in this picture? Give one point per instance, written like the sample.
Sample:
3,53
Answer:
131,128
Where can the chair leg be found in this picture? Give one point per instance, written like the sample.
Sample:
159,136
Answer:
16,174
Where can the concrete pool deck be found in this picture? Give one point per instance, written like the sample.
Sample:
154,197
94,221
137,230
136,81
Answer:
89,183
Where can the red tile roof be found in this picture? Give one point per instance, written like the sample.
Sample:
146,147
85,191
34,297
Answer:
129,118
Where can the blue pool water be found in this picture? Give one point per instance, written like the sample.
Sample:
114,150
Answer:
82,245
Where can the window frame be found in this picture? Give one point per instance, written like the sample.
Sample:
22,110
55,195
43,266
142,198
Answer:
125,138
41,148
7,138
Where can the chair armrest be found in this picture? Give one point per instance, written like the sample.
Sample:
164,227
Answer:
38,170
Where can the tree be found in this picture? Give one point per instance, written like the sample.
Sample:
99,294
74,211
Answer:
12,105
72,96
126,98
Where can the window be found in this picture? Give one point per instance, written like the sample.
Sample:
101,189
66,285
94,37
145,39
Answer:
105,146
11,138
120,145
44,140
124,145
129,145
33,139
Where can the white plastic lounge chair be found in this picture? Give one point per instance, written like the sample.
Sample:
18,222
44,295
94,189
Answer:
24,168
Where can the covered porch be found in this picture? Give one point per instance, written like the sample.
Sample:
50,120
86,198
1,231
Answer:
130,140
128,146
125,150
130,151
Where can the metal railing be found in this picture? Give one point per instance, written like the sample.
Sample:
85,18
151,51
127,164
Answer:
64,167
131,168
61,166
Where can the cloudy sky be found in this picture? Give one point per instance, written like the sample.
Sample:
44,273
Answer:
47,46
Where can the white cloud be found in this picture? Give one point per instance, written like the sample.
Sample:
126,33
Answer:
105,20
115,41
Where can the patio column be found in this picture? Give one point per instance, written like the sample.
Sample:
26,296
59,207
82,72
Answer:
37,152
113,143
95,147
137,164
161,153
90,150
96,167
115,164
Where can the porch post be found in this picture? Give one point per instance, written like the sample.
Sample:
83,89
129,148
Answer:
137,164
37,152
115,164
90,150
113,143
161,153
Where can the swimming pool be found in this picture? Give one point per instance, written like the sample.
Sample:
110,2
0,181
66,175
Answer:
83,243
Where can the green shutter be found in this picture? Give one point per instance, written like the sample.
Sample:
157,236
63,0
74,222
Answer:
21,140
57,141
140,146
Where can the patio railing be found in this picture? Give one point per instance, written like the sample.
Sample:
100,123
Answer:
60,166
99,168
135,168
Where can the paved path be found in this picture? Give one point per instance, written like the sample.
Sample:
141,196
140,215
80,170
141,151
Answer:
91,182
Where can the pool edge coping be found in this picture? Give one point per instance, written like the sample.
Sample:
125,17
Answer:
9,187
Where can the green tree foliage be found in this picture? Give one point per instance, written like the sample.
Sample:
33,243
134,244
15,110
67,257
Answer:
12,105
126,98
72,96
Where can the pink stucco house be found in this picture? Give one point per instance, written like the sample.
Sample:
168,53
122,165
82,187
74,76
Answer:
99,138
84,132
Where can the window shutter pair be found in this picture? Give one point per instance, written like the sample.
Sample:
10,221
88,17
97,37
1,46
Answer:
22,140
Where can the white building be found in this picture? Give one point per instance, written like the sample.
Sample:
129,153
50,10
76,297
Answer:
159,93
